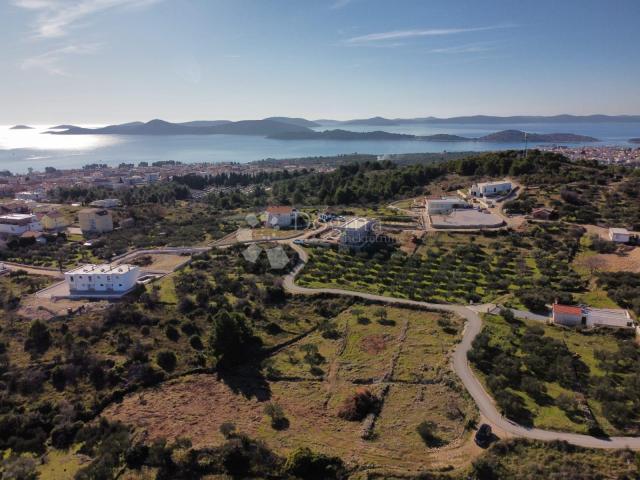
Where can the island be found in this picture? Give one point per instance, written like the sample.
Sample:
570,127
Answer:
21,127
504,136
285,128
162,127
634,140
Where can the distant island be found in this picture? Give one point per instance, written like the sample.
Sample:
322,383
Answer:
285,128
21,127
487,119
201,127
504,136
634,140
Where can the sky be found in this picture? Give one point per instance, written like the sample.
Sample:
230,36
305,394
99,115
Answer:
106,61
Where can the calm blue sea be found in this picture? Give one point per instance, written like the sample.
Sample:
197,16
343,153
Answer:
21,149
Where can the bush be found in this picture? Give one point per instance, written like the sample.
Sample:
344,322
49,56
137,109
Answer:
167,360
227,429
359,405
278,419
303,463
196,343
172,333
427,431
38,339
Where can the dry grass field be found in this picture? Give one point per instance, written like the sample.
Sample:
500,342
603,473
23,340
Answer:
401,356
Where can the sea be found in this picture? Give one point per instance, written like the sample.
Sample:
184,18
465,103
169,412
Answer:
21,150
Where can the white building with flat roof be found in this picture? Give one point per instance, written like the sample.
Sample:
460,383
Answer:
30,196
574,315
18,223
443,205
105,278
106,203
357,232
619,235
490,189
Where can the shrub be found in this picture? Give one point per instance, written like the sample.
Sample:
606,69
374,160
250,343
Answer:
303,463
359,405
427,431
196,343
167,360
38,339
172,333
227,429
278,419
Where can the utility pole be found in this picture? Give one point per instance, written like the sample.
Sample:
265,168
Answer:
525,145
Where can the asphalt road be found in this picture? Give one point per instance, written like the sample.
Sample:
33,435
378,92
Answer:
462,368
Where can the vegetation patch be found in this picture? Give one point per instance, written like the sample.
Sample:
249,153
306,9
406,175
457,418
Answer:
558,378
534,266
515,459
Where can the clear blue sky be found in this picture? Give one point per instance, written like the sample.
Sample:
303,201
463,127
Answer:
118,60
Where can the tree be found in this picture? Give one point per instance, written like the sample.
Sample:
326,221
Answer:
231,338
167,360
38,339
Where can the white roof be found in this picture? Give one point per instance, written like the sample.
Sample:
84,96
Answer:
103,268
17,216
613,317
621,231
487,184
357,223
445,200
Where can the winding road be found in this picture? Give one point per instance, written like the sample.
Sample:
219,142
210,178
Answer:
461,366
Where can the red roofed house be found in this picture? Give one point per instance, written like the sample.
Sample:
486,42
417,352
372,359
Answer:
568,315
281,216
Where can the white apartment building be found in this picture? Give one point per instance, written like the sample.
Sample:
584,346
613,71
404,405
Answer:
490,189
18,223
103,278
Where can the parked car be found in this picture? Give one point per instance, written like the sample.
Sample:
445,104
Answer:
484,436
298,241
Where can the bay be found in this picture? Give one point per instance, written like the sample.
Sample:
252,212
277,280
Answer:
24,149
